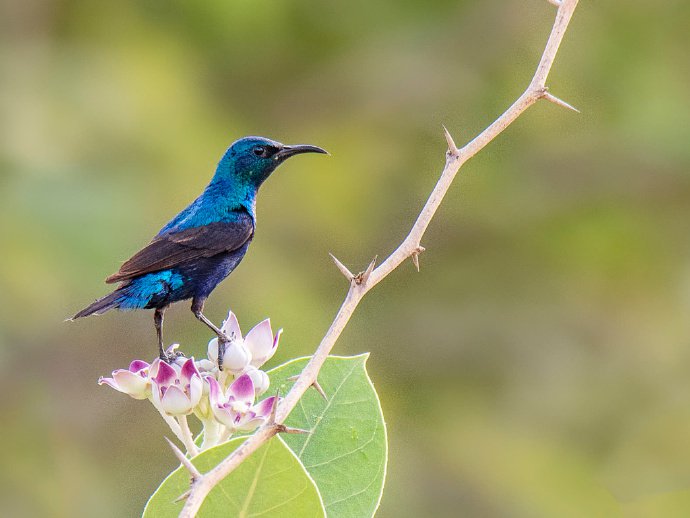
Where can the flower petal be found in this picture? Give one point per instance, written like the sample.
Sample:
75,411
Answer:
249,422
213,350
196,390
249,425
224,416
175,402
188,371
265,407
138,365
215,394
231,327
131,383
110,382
260,341
153,368
259,378
276,339
166,374
242,389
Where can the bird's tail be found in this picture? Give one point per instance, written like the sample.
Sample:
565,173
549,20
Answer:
110,301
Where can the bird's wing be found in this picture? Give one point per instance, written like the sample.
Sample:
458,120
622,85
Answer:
173,249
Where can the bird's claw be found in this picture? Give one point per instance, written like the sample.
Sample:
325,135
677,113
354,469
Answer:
171,354
223,341
171,358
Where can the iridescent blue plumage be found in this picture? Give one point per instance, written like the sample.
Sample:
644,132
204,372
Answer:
204,243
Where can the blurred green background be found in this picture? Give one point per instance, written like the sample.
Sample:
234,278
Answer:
539,365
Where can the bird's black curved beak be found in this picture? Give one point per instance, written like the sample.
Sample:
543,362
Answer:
288,151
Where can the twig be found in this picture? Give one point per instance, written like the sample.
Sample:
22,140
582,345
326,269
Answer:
360,284
184,460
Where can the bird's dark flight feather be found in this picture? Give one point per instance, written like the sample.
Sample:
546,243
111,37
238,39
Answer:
177,248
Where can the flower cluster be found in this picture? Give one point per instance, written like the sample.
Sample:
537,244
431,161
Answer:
222,398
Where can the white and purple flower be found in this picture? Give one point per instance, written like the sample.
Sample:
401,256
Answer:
177,389
235,408
254,350
133,381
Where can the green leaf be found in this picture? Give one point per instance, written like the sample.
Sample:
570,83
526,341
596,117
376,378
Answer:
347,451
272,483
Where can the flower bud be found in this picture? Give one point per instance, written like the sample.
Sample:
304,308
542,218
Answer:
213,350
259,378
236,356
206,366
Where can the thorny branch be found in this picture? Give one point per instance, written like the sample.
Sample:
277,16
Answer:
361,283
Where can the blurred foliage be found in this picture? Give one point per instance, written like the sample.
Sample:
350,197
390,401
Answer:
540,363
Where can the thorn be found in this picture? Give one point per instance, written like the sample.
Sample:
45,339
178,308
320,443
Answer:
557,3
343,269
415,256
315,385
274,411
287,429
184,461
183,496
452,148
319,389
370,268
362,277
560,102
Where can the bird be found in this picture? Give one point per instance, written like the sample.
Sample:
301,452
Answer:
203,244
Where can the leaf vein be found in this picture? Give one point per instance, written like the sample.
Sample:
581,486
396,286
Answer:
373,480
328,405
252,488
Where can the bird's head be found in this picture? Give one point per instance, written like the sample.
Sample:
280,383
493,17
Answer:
251,160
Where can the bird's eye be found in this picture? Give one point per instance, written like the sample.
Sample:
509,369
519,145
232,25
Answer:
259,151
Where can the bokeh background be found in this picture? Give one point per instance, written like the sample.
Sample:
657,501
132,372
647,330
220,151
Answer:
539,365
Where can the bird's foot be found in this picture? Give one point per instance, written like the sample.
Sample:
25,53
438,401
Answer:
171,358
223,341
171,354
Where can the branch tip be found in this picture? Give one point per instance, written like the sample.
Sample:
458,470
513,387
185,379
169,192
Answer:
452,148
343,269
560,102
557,3
196,475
